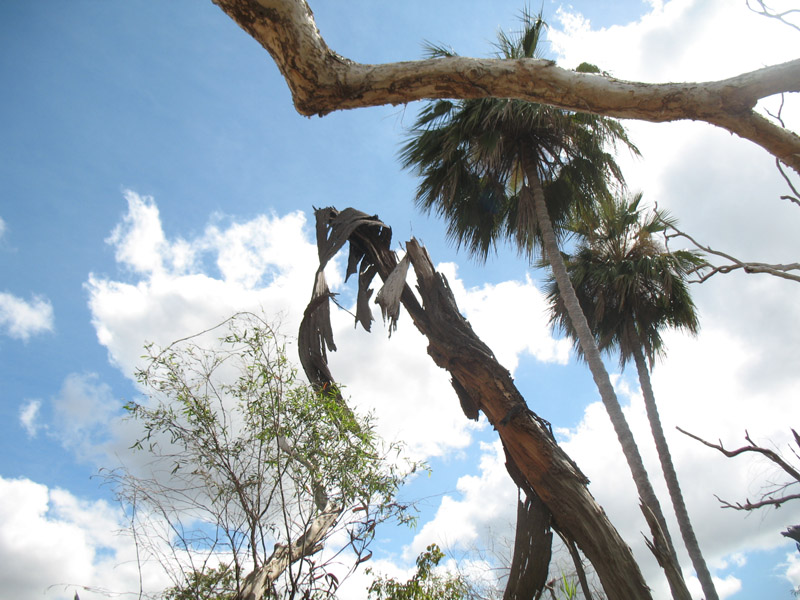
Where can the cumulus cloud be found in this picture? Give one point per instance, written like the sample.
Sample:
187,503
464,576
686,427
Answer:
83,414
52,544
267,265
485,508
3,228
21,319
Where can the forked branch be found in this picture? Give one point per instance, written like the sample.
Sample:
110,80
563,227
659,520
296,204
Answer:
770,498
786,271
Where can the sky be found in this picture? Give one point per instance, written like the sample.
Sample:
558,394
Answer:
156,179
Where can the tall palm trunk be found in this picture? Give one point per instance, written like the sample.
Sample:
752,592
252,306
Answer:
671,477
600,376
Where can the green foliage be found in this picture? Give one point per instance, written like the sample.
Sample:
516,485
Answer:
629,285
243,455
212,584
426,584
479,159
568,589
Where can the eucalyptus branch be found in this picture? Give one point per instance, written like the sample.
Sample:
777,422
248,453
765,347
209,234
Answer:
709,270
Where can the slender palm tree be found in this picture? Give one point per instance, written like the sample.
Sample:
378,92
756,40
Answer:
502,169
630,289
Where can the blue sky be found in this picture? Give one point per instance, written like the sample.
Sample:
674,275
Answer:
137,134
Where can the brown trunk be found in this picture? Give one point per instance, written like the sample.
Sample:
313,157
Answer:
526,437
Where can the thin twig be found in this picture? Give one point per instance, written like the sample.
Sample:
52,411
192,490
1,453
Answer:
765,11
777,270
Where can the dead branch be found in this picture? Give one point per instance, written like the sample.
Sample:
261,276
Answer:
795,197
776,502
706,272
752,447
763,10
769,499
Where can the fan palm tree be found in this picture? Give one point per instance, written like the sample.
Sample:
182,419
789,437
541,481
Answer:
509,170
630,289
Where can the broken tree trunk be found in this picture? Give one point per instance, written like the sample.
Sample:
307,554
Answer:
480,381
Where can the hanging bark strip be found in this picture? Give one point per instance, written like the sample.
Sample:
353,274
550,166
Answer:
478,378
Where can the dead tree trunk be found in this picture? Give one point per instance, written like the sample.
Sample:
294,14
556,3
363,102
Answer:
481,383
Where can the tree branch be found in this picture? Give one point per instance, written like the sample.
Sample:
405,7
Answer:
322,81
782,271
776,502
768,499
752,447
765,11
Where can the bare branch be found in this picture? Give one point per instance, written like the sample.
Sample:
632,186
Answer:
752,447
763,10
794,198
770,498
776,502
708,271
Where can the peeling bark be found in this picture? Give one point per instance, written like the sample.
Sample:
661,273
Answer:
258,583
322,81
526,437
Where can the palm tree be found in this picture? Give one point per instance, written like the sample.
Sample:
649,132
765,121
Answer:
631,288
501,169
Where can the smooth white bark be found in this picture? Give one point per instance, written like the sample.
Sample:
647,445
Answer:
322,81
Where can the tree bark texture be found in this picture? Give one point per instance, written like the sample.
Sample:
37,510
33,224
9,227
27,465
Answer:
533,542
476,373
257,585
322,81
607,394
671,477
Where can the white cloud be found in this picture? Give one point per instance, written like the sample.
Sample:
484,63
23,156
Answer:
83,413
22,319
265,264
3,228
792,569
28,416
485,510
52,544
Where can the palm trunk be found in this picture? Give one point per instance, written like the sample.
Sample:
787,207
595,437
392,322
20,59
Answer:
601,378
671,477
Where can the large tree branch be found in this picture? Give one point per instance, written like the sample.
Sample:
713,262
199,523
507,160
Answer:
322,81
